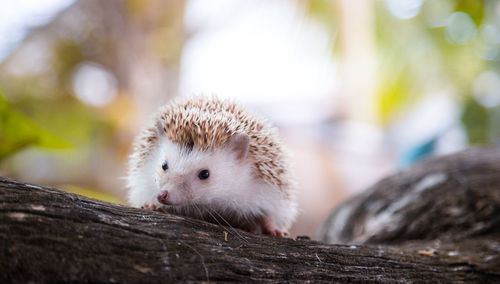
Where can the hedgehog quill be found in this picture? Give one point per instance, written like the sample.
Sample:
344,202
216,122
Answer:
206,155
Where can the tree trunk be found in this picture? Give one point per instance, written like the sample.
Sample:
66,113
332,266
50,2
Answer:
47,235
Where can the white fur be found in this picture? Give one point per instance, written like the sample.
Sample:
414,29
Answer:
231,189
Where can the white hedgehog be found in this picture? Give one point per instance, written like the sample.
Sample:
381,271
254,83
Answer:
210,159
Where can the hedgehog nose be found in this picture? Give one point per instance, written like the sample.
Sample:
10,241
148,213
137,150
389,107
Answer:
162,198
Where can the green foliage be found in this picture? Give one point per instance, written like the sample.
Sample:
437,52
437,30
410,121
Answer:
82,126
393,96
399,81
474,8
18,132
320,9
475,118
417,58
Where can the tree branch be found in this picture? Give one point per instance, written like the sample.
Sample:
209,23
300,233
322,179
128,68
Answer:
47,235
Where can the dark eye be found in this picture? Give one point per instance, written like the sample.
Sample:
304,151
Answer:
164,166
204,174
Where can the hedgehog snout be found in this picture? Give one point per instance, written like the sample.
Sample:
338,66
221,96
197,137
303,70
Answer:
163,198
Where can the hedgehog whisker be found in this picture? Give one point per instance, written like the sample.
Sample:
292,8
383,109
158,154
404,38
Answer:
219,223
225,221
231,228
199,211
202,215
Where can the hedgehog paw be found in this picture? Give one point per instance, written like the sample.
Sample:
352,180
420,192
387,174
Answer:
152,207
269,227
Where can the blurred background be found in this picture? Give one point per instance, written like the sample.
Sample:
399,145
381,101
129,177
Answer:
359,89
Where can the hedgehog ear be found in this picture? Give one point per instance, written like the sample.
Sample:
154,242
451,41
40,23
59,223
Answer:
159,127
239,144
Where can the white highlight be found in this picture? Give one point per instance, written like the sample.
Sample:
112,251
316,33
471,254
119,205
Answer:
34,186
430,117
110,220
404,9
38,207
339,223
19,16
17,215
94,85
429,181
389,218
256,52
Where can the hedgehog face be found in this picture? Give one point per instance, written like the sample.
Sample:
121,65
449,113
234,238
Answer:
187,176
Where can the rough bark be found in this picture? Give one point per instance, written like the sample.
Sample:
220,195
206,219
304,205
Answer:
47,235
455,197
450,206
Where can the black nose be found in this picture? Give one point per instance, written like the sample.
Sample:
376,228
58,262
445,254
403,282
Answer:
162,198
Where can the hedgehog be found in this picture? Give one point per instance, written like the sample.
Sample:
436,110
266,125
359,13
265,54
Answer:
209,158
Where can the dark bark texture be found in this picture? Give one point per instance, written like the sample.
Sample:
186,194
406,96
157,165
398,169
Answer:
47,235
448,207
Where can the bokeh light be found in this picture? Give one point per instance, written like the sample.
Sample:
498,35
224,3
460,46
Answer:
404,9
94,85
461,28
487,89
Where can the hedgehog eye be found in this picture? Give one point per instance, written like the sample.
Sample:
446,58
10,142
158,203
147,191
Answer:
204,174
164,166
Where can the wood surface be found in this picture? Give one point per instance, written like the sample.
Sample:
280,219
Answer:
47,236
